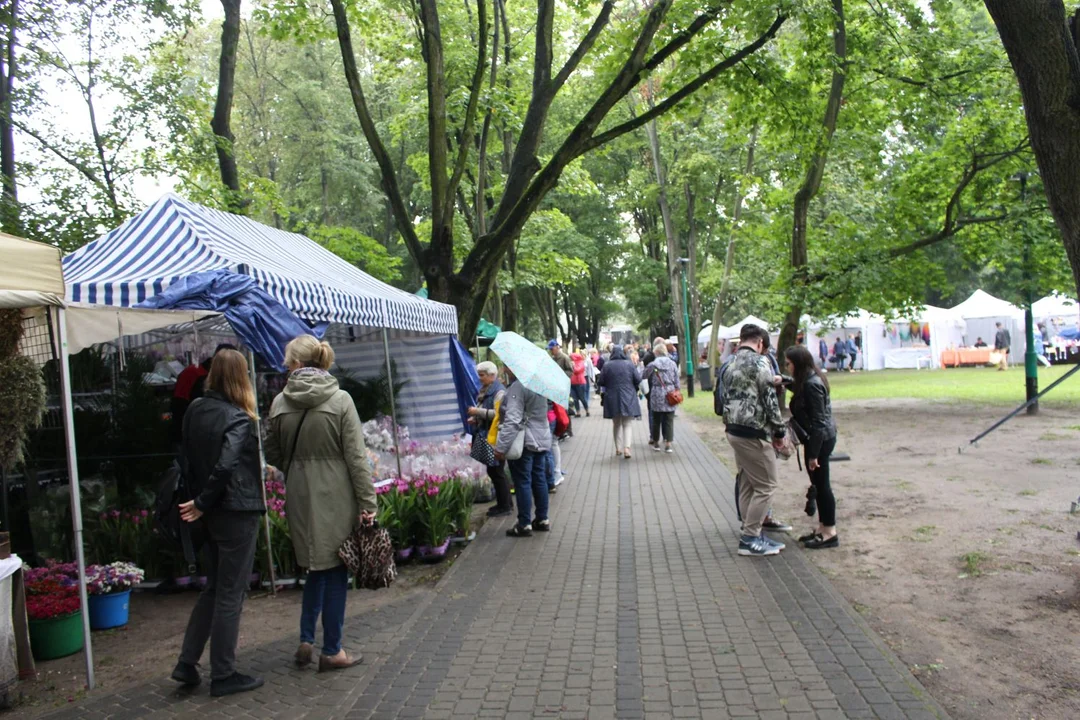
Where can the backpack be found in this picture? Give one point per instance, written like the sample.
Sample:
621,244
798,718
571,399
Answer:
719,399
562,420
168,524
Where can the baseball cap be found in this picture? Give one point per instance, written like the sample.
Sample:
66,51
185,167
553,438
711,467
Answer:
553,344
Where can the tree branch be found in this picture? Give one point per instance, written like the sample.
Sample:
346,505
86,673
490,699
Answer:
679,41
470,110
371,133
685,91
86,170
584,46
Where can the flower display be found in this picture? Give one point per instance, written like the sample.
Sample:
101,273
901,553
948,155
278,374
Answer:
281,548
51,591
114,577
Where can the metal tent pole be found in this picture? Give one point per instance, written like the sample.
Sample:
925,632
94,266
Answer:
262,475
393,402
73,475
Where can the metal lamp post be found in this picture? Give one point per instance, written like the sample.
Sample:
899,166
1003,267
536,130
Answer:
691,346
1031,362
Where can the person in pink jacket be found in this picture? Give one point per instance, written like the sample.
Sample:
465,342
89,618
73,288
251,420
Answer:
579,385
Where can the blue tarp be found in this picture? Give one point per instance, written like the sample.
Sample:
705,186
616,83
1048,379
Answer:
1070,333
261,322
466,381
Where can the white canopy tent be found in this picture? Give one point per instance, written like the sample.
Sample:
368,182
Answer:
732,333
32,278
1061,310
982,311
872,327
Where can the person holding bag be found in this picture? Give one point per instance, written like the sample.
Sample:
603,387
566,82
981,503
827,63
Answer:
812,411
220,460
620,381
524,439
481,417
662,374
315,438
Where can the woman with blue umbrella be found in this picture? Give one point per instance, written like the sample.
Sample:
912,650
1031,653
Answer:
620,381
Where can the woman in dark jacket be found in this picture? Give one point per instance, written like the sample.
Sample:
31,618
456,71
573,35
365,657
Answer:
620,381
480,417
220,460
812,411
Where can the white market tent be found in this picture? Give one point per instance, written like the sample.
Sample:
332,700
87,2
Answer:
31,279
982,311
892,343
872,327
370,320
1061,309
732,333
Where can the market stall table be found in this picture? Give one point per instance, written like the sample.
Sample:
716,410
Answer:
965,356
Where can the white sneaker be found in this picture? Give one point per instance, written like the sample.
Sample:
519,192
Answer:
558,479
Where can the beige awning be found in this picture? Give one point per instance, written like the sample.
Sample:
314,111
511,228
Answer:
29,273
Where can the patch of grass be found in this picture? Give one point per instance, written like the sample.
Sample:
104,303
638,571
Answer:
1073,553
1041,461
861,609
974,563
1072,427
1051,528
1028,493
954,478
1053,436
924,533
903,485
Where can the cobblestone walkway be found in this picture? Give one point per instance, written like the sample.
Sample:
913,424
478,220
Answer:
636,605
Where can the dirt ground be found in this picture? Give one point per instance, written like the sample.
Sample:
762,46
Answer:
146,648
967,564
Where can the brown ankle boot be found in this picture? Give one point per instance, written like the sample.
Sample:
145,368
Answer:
338,662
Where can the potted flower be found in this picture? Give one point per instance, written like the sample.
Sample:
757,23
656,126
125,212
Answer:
462,493
436,519
52,607
398,515
109,591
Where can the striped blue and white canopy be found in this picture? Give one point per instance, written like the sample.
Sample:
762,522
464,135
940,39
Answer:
174,238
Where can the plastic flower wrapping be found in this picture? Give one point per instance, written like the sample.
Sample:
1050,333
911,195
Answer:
114,577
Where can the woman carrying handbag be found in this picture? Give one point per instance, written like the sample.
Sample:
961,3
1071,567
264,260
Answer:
315,435
812,411
665,395
481,417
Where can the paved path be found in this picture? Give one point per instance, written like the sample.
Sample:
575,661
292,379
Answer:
634,606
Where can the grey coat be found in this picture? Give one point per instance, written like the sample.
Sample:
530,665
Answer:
620,380
663,369
522,410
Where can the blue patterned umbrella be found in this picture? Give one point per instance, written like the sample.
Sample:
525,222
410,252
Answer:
533,367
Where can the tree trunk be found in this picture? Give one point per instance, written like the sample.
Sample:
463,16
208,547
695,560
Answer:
1043,54
812,182
729,259
9,201
691,272
673,248
222,120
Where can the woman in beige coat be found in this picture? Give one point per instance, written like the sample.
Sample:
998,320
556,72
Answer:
315,438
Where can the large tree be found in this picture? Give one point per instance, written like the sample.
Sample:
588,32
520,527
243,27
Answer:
705,41
1041,42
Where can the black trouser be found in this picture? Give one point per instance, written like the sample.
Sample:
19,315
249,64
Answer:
826,502
580,395
497,473
662,421
230,540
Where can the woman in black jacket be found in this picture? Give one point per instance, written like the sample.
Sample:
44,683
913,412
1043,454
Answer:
220,462
812,411
620,381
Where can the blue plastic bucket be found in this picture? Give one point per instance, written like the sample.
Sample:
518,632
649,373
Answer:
109,611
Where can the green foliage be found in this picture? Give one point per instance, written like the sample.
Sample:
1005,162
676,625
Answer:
22,405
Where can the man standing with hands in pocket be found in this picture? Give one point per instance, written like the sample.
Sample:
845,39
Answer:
755,429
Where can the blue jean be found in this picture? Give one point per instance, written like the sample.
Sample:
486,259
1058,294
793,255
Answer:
529,473
549,459
325,592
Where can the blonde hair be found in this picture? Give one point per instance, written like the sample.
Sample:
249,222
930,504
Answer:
307,351
660,350
229,376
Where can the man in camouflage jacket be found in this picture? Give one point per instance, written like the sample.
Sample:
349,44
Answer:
752,416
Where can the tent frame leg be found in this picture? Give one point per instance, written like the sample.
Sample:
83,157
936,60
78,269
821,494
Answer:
76,500
393,401
262,474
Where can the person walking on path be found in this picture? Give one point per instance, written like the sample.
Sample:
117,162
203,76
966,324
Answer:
823,352
315,438
620,381
1002,343
481,417
579,383
853,353
663,377
752,417
561,359
523,411
839,349
812,411
220,461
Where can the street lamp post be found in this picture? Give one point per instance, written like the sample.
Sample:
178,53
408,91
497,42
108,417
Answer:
1031,362
691,345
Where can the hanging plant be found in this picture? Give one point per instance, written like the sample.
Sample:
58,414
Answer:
22,392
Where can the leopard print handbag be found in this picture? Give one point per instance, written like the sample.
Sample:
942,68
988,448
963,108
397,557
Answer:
369,555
